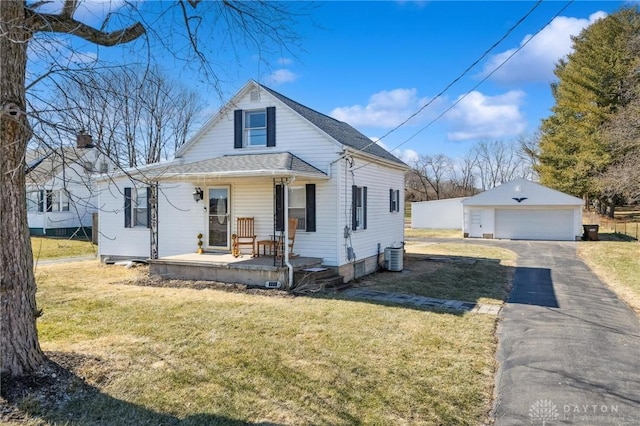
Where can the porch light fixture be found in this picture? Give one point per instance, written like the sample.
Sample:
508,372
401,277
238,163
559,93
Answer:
198,194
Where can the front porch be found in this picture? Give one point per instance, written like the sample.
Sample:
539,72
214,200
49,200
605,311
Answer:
223,267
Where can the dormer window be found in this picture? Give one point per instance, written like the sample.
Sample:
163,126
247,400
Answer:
254,128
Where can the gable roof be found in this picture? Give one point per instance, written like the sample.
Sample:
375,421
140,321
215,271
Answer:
529,193
43,165
338,130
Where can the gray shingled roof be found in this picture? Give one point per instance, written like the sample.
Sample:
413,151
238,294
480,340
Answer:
42,165
340,131
283,163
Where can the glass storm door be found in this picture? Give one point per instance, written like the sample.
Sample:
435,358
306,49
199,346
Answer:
219,217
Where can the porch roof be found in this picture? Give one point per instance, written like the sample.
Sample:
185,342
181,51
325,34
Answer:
281,164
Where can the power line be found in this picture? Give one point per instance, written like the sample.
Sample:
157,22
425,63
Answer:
485,78
469,68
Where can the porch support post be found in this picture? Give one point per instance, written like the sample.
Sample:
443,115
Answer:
153,231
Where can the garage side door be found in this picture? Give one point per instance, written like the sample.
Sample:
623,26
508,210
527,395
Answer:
534,224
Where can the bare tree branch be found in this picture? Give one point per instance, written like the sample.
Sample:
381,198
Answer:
44,22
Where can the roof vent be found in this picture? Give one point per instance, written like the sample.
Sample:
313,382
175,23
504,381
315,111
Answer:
254,96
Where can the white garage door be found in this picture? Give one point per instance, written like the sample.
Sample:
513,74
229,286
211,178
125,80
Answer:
534,224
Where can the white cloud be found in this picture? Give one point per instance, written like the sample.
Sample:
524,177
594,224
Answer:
409,156
282,76
385,109
479,116
536,61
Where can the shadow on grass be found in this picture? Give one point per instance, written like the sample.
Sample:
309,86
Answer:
614,236
57,395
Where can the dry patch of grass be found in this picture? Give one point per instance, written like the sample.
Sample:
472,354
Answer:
467,272
157,355
618,264
432,233
51,248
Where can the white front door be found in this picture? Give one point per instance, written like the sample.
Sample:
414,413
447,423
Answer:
219,217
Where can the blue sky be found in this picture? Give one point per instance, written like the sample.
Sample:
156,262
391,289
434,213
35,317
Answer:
375,64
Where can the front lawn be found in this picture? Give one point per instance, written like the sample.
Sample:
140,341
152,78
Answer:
51,248
449,270
152,355
617,263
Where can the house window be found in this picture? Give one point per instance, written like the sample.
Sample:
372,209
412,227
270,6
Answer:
63,199
297,206
302,205
139,204
136,207
104,167
394,200
88,166
255,128
33,201
359,207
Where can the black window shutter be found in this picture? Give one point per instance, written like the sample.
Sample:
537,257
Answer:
311,207
280,208
271,126
127,207
364,207
41,201
392,206
237,128
49,200
148,207
354,207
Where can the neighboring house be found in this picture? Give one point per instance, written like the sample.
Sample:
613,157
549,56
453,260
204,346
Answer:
61,190
264,156
437,214
523,210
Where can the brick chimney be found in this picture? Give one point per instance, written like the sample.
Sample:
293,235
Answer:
84,140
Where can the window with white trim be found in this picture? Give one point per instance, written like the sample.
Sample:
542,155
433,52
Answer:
394,200
140,206
359,207
255,128
136,207
298,205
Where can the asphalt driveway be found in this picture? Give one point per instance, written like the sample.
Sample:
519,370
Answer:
569,349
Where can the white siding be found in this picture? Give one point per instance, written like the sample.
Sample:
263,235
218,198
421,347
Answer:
384,228
114,238
437,214
293,134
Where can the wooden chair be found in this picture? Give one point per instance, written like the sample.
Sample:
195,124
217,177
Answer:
293,224
244,236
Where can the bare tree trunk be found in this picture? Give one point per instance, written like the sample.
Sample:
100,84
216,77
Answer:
21,351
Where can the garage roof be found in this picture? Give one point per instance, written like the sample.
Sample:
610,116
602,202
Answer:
521,192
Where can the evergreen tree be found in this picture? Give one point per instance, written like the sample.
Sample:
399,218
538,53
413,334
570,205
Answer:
574,152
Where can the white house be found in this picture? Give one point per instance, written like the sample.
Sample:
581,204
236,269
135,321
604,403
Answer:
521,209
437,214
61,190
264,156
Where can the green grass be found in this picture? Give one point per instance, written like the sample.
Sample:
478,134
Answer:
617,263
51,248
466,272
172,355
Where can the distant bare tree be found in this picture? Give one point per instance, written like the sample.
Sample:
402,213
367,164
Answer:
135,115
498,162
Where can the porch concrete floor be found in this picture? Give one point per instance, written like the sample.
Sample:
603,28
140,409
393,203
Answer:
245,260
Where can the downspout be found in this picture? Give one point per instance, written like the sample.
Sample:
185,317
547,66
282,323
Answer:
285,241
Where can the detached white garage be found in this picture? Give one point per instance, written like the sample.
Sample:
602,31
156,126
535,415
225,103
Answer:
523,210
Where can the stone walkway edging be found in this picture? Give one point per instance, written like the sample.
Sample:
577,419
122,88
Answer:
421,301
